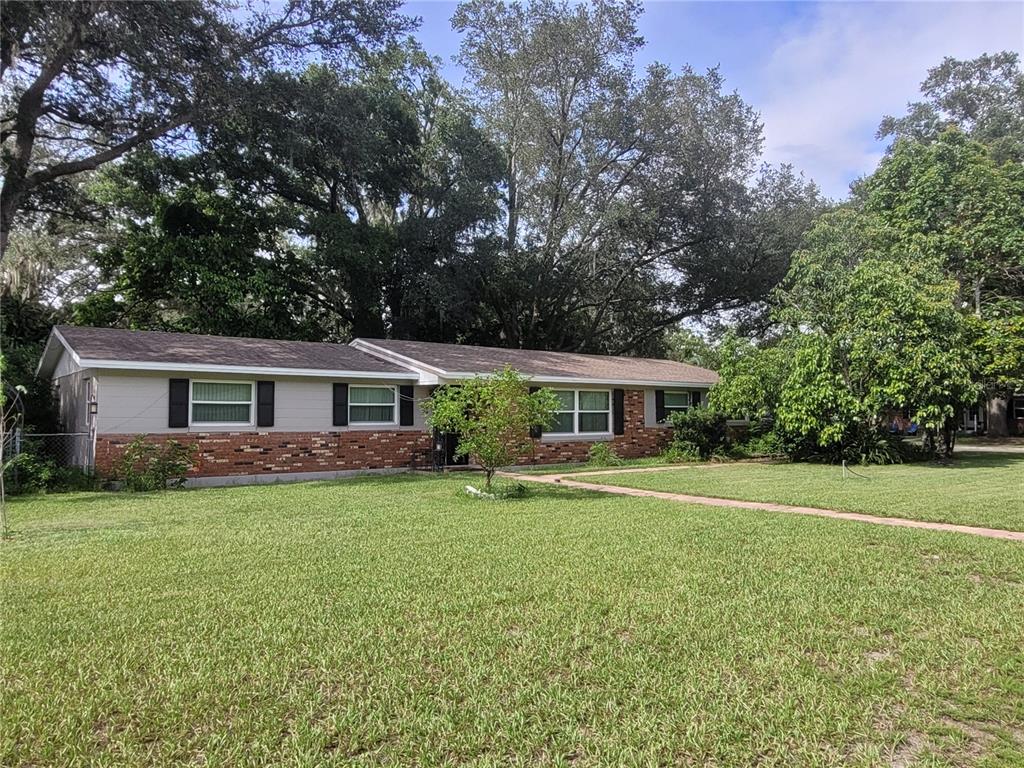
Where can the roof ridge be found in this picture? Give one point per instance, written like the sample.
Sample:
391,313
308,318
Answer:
527,349
191,335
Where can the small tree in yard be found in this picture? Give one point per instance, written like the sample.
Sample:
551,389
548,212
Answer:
493,416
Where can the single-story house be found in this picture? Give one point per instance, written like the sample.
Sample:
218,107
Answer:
258,409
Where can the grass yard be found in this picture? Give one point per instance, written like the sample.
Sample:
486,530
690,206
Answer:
395,621
977,489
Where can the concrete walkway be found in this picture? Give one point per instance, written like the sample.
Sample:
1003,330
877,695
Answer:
984,448
710,501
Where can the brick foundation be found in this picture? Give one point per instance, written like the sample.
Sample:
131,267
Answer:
222,454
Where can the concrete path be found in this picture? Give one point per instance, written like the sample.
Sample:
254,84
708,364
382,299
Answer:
983,448
710,501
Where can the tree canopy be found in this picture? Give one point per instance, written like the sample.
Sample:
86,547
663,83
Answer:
306,172
93,80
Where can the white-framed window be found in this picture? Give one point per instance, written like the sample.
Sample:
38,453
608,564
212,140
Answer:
679,401
1018,405
221,403
372,405
583,411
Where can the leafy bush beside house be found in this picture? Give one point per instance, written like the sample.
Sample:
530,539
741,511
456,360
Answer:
148,466
30,472
603,455
493,416
698,431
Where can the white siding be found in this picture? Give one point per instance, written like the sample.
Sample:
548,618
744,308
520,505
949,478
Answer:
74,387
136,402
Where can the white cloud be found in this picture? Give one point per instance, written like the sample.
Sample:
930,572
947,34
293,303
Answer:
833,76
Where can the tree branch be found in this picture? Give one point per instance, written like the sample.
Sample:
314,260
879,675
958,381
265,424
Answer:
94,161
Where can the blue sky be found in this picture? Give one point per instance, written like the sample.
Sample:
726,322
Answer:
822,75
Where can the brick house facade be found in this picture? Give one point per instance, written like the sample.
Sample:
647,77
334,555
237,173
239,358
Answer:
259,410
227,454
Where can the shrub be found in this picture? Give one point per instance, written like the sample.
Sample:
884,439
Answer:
764,444
603,455
699,429
680,453
148,466
31,473
858,446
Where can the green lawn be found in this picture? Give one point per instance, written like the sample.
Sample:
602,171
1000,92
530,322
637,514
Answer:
977,489
394,621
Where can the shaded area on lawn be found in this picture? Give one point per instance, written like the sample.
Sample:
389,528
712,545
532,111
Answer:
396,620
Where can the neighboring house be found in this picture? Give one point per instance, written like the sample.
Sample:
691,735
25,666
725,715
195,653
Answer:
1004,416
259,409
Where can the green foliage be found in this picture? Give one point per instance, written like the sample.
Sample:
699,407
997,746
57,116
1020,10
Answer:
615,250
687,346
603,455
680,453
760,443
96,80
149,466
984,97
31,473
700,430
949,201
867,327
562,203
751,377
493,416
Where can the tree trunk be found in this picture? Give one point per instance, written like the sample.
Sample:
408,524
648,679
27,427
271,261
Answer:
5,228
488,474
948,437
929,440
511,233
996,423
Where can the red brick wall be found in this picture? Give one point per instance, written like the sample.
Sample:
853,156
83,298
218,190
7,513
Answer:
221,454
252,453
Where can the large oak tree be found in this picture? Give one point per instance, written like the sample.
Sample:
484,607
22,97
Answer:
93,79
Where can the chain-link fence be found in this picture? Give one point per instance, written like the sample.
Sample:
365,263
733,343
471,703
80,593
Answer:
34,461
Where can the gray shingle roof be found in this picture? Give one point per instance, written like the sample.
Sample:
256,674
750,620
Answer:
458,358
368,356
195,349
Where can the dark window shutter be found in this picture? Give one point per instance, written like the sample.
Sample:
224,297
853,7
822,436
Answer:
659,405
264,403
535,430
177,412
619,411
405,406
340,405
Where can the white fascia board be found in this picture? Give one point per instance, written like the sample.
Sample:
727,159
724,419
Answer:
132,365
455,376
394,357
49,352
